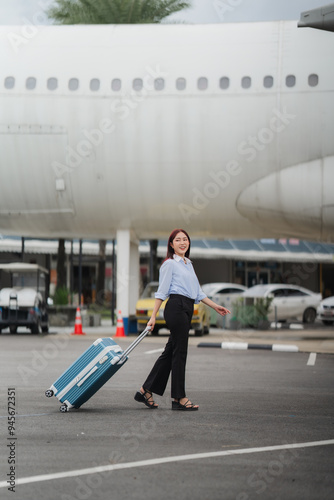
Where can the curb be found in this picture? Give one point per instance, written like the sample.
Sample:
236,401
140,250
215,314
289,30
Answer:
244,346
286,326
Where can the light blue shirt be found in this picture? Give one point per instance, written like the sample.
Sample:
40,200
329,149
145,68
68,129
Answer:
179,277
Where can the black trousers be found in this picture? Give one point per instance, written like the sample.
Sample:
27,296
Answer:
178,314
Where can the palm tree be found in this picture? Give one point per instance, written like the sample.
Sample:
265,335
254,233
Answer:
114,11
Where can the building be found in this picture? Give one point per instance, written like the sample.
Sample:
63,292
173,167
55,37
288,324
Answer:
248,262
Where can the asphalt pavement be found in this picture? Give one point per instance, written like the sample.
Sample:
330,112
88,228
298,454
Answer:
265,427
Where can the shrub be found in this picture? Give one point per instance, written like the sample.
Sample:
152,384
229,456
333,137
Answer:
251,315
60,297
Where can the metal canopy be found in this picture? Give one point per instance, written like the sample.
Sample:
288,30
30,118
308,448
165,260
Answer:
282,250
22,267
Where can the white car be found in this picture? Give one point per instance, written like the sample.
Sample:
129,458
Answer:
223,294
326,311
290,301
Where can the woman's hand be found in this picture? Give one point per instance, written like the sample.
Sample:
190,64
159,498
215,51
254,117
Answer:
222,310
156,308
151,322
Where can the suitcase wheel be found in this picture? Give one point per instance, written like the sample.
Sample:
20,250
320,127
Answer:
63,408
49,393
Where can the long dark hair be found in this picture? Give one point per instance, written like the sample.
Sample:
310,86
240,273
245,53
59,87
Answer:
170,249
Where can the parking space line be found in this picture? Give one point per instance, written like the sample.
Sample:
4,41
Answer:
311,359
164,460
154,351
28,415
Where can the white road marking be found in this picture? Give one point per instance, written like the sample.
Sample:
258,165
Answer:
154,351
285,348
234,345
29,415
311,359
163,460
296,326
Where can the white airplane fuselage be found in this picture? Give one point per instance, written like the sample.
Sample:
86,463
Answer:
231,134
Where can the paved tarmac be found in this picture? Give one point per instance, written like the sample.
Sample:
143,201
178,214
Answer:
265,427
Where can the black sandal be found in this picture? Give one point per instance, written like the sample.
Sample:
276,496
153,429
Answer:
187,406
148,401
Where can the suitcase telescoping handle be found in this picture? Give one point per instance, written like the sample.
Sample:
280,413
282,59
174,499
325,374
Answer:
134,344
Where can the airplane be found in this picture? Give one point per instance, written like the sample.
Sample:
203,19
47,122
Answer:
129,131
223,129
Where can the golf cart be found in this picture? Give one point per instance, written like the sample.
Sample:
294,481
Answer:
23,297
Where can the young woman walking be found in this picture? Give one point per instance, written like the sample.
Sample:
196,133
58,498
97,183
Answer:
179,282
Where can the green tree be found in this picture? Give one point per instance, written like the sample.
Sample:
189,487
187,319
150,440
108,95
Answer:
114,11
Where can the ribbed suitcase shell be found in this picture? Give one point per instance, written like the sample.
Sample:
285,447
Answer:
91,371
88,373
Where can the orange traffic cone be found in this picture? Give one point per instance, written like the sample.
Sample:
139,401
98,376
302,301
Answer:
78,324
120,326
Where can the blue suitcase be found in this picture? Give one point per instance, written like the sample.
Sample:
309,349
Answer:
90,372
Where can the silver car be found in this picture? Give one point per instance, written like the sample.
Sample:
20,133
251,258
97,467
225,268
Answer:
289,301
326,311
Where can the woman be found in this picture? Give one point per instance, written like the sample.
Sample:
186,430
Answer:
179,282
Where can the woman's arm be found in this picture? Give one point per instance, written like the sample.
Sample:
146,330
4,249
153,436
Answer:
156,308
220,309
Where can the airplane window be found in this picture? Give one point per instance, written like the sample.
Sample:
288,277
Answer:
159,84
73,84
202,83
268,82
246,82
137,84
9,82
30,83
94,84
52,83
224,83
116,84
290,81
313,80
181,83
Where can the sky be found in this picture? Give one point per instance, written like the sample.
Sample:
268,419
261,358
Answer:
18,12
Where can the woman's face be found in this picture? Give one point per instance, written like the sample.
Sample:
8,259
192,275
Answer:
180,244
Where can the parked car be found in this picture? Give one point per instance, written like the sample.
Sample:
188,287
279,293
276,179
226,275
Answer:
23,303
290,301
200,321
223,294
326,311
